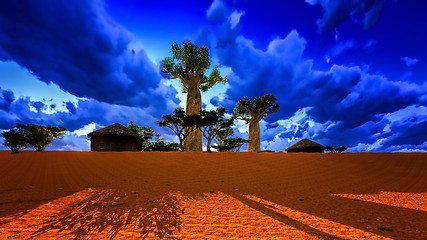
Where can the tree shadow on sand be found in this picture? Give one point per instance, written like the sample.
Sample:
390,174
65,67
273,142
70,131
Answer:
111,211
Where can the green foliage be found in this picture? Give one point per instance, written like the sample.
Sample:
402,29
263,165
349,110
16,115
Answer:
334,149
224,131
145,132
255,109
266,150
222,148
342,148
213,122
161,145
231,144
15,139
36,136
182,125
191,62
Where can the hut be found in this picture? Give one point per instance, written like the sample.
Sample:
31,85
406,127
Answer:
115,137
306,145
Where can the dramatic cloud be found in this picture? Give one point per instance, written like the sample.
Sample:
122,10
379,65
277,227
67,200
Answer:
78,46
345,105
409,61
216,11
337,11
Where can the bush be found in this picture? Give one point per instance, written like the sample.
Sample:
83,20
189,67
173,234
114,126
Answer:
164,146
231,144
334,149
161,145
266,150
16,140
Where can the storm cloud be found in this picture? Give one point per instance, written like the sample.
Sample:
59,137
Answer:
345,104
78,46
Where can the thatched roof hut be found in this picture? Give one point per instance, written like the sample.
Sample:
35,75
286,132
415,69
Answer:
115,137
306,145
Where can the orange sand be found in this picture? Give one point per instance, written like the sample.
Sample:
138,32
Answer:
132,195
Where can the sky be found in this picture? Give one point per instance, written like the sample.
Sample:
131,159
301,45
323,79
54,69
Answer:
344,72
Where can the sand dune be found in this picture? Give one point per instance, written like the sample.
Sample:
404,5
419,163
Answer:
125,195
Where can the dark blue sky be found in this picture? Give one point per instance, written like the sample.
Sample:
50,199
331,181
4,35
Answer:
344,72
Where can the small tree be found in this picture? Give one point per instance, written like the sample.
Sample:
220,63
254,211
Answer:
334,149
224,132
341,148
231,144
182,125
329,149
15,139
145,132
39,137
160,145
212,122
252,111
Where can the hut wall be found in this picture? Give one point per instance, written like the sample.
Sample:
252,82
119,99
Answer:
115,143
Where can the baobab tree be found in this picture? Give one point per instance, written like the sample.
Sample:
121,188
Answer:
252,110
189,63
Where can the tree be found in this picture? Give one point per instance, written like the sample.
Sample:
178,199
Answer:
145,132
189,63
15,139
341,148
252,111
231,144
160,145
224,132
182,125
213,122
39,137
334,149
330,149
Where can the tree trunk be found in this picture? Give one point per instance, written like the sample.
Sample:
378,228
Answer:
208,145
254,144
193,106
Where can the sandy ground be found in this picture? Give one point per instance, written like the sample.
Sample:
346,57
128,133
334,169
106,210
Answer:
132,195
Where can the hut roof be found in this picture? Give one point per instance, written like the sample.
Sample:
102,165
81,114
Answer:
304,143
115,129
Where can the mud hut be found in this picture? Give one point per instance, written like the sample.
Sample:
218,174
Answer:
306,145
115,137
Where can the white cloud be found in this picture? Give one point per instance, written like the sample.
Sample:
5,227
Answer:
409,61
85,130
235,18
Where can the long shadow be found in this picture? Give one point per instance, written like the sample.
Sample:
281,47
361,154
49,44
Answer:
112,211
284,219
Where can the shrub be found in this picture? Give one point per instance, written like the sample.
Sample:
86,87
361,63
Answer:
266,150
16,140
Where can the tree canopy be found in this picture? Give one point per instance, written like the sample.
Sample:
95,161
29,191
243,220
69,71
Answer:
36,136
231,144
145,132
214,122
189,63
254,109
15,139
180,123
